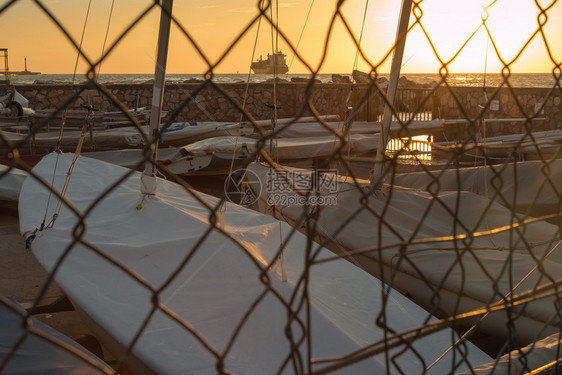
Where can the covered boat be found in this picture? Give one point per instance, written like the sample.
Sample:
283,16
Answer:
178,286
28,346
451,251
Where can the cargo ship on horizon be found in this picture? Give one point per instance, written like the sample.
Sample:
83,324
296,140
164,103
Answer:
274,64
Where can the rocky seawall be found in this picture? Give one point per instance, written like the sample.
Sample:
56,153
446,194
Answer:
228,102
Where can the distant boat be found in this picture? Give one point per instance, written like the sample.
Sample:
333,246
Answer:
273,64
24,72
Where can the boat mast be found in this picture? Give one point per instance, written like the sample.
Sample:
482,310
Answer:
377,178
148,178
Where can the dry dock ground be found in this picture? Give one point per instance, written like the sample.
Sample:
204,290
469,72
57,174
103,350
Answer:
22,277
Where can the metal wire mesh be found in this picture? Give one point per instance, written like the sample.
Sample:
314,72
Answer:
480,221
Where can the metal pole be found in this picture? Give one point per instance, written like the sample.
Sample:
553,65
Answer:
148,178
377,177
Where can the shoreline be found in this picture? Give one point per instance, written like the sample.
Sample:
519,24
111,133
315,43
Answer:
519,80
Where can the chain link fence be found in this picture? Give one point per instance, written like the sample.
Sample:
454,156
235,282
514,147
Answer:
306,259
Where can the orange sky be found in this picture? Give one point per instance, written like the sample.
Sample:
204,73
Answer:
214,24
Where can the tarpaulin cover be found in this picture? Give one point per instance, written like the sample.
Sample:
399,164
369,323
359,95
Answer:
221,281
36,355
456,251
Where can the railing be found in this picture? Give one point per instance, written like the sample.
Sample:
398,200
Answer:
5,70
410,104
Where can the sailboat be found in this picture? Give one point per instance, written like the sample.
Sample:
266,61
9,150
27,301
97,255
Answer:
538,145
531,188
40,348
231,152
11,181
124,277
434,246
174,134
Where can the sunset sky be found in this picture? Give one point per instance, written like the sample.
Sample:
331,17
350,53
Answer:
214,24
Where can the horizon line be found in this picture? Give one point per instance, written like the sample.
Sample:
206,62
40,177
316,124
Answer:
302,73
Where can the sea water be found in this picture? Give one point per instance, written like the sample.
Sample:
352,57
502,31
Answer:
456,79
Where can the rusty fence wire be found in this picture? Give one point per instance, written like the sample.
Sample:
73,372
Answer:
462,218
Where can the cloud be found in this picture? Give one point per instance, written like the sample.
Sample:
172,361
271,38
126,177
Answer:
255,9
289,5
204,25
242,10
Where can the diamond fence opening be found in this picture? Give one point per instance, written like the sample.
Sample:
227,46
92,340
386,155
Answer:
358,226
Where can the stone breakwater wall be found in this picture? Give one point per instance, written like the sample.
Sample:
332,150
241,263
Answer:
209,103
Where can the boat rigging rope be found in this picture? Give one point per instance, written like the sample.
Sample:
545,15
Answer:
244,101
346,128
486,68
81,41
63,122
105,39
222,211
483,123
273,142
355,62
347,124
277,28
64,189
59,141
302,32
274,48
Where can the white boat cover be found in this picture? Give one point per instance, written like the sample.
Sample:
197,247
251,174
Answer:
549,135
543,354
11,181
513,139
530,187
265,124
175,134
107,138
36,355
223,279
287,148
410,232
315,129
175,160
181,133
130,158
544,145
